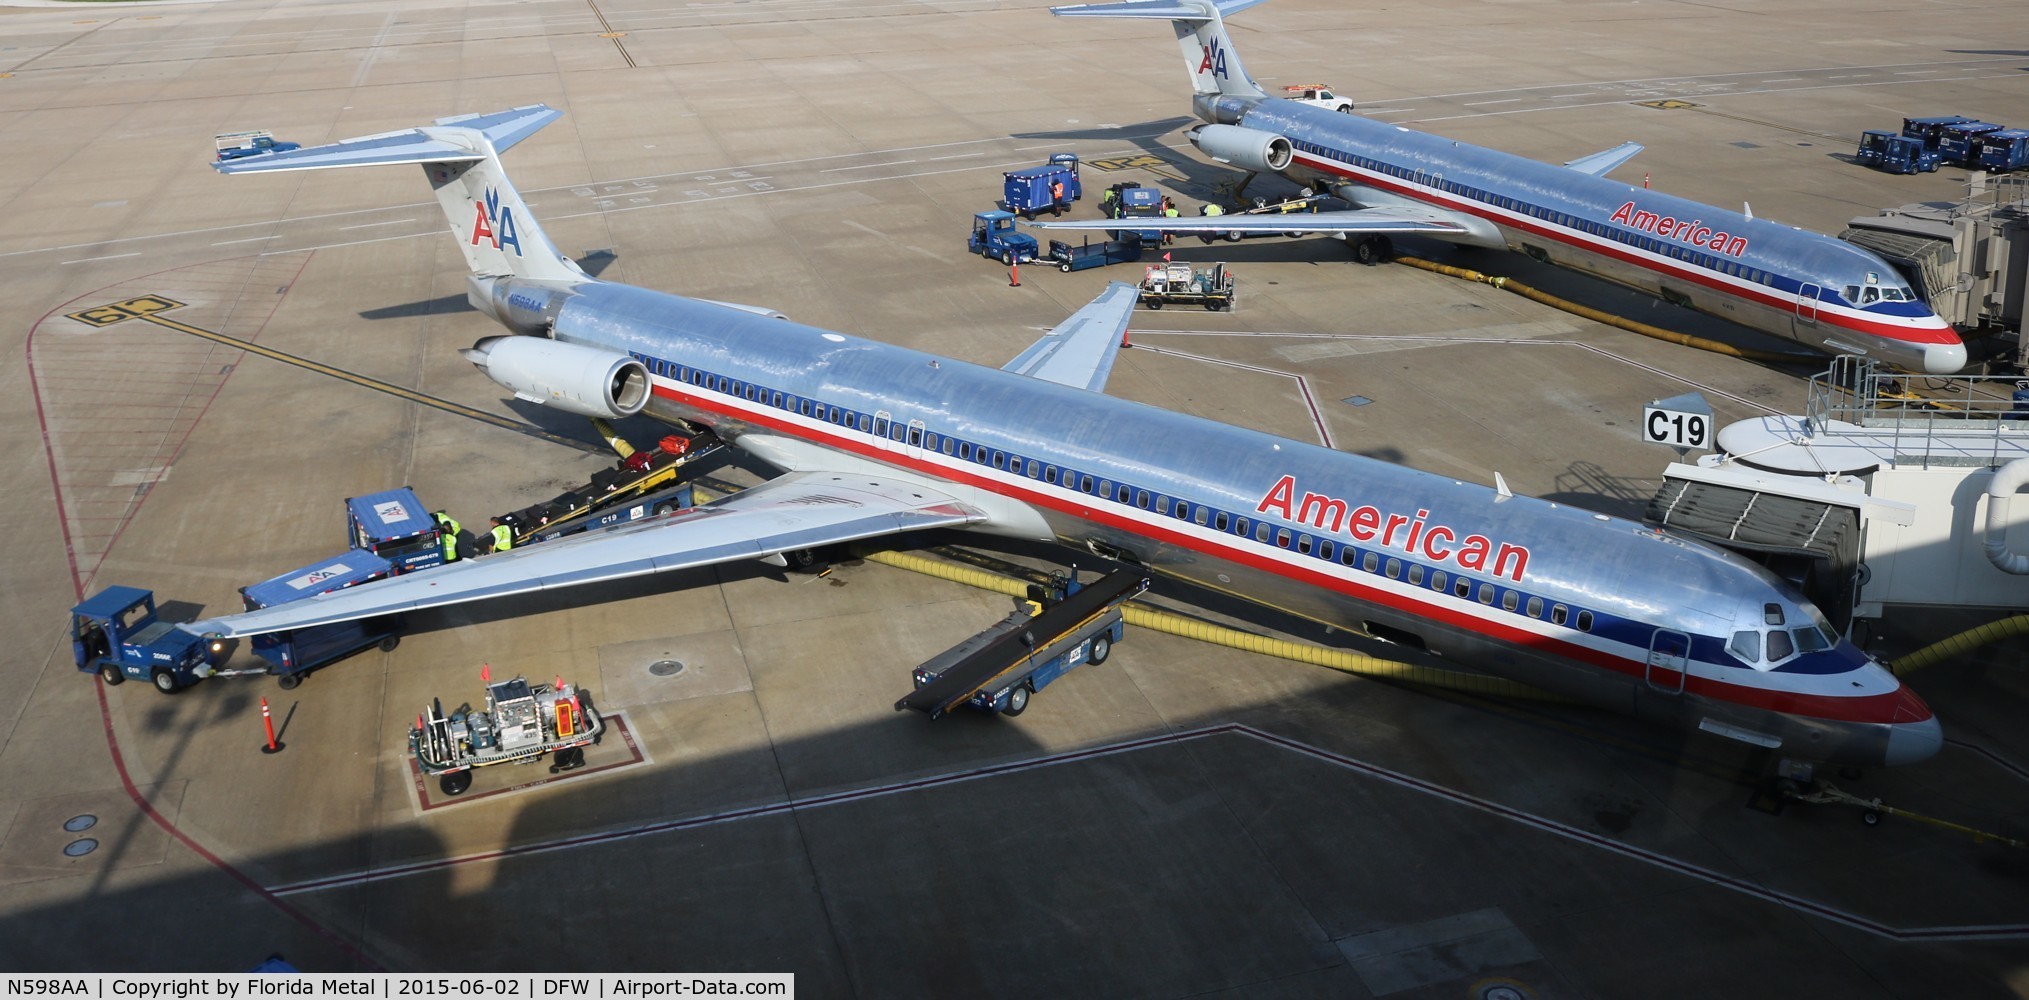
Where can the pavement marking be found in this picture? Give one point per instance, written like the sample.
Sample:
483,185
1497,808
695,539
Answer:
1741,884
364,225
250,239
1324,434
149,308
1504,100
865,166
117,256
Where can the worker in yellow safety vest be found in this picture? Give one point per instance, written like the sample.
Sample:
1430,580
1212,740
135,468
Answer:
1212,208
503,536
447,535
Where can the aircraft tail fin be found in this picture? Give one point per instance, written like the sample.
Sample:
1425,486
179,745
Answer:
1200,25
461,157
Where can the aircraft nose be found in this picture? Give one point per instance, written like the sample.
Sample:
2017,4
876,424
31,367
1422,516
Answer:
1944,359
1910,742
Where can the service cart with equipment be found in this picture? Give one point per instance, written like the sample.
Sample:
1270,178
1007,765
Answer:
519,725
1179,283
1059,628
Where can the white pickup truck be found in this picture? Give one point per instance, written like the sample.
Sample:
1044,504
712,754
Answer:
1317,94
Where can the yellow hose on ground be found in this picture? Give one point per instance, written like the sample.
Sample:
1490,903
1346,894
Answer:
612,438
1964,642
1190,628
1597,316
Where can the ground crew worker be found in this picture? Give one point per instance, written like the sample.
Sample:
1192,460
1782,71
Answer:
503,536
1212,208
1169,211
1106,202
447,535
1057,192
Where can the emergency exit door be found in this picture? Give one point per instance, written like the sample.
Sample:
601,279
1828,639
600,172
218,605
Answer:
1669,657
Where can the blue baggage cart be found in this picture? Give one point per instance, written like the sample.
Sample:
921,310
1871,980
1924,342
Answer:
296,652
394,525
1035,189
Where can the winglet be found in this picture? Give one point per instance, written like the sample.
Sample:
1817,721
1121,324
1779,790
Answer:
1598,164
1079,352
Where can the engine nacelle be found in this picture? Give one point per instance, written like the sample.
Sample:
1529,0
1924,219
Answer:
582,380
1246,148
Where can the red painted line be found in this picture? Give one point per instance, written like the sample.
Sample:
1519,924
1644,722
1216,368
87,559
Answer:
105,707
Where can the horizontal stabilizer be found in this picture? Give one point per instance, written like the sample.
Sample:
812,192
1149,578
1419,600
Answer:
1162,10
502,128
1079,352
1599,163
1363,221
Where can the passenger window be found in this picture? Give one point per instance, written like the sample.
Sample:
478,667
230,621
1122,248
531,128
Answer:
1105,489
1557,614
1510,600
1199,515
1219,522
895,430
1282,538
1535,607
1349,555
1462,587
1779,648
1370,562
775,400
1035,470
1050,474
947,446
1437,579
1161,504
804,407
965,450
1394,569
1486,593
1085,484
866,422
1303,545
930,441
1746,646
1239,525
1416,574
1585,621
1141,499
1000,460
916,436
1261,532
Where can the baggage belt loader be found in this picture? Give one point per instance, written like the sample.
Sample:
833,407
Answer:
1058,630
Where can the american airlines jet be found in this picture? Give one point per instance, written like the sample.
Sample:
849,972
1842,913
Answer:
1802,286
876,440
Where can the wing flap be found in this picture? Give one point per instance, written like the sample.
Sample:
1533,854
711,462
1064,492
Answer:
1079,352
799,511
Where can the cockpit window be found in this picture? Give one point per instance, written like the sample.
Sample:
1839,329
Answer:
1772,613
1869,295
1746,646
1810,640
1779,648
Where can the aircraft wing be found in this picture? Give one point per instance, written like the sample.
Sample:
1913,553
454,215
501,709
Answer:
1364,221
1155,9
1079,352
797,511
1599,163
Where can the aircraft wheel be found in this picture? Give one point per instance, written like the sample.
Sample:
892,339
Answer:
111,675
289,682
1364,252
455,783
165,682
1102,647
388,644
1017,700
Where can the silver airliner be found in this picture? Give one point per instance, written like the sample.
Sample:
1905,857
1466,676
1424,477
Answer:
1818,291
877,440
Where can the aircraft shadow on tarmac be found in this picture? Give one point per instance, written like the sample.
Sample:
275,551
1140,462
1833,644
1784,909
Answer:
593,263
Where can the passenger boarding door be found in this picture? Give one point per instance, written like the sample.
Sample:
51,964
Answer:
1807,305
1669,657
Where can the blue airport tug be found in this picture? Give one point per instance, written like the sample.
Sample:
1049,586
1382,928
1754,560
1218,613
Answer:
994,235
115,634
293,653
394,525
1896,154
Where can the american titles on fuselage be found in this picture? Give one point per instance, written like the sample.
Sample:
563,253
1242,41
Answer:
1694,232
1417,536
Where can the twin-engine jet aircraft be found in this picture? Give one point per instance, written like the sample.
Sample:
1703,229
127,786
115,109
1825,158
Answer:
878,440
1802,286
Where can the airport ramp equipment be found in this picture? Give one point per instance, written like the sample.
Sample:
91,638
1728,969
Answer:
999,667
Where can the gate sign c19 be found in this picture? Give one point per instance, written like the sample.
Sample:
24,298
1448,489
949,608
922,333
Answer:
1682,422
